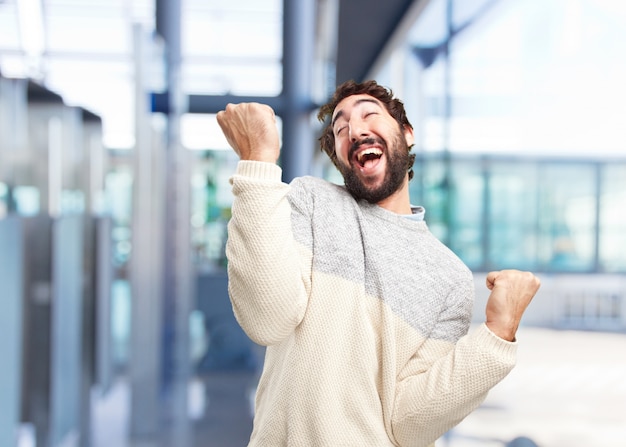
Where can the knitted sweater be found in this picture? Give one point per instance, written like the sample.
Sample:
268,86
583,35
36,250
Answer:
364,314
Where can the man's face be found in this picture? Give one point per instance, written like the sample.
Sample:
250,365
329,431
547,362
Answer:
372,150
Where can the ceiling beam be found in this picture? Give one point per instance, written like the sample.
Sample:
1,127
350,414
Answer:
365,27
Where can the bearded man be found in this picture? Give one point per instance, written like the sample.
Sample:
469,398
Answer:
364,313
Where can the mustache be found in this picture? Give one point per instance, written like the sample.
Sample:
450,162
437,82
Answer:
365,141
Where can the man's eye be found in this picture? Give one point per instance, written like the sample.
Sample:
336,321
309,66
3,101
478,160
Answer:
340,129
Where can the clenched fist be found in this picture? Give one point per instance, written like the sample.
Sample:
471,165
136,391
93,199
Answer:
511,293
250,129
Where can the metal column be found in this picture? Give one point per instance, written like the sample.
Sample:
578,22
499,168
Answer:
146,313
177,267
298,56
11,346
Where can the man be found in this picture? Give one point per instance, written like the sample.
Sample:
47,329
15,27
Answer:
364,313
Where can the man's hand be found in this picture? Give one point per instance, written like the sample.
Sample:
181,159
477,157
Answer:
250,129
511,293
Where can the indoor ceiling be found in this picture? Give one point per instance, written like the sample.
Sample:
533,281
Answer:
83,49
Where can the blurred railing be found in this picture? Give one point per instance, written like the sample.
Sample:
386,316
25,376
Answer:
577,302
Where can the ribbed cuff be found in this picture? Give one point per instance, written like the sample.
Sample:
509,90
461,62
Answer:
259,170
501,347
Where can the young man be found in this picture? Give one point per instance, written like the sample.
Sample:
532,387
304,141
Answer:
364,313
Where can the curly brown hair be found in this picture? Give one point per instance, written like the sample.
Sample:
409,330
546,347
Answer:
394,106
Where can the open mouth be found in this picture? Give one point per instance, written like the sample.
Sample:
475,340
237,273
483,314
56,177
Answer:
368,156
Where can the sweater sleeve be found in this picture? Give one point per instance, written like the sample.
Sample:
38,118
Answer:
266,284
437,391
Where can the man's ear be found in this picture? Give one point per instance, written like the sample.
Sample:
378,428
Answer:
408,135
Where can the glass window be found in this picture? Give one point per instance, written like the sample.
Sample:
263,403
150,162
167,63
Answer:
216,63
529,79
211,200
612,235
466,205
4,200
432,131
567,217
512,215
540,77
429,189
118,191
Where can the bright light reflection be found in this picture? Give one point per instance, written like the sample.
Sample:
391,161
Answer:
201,132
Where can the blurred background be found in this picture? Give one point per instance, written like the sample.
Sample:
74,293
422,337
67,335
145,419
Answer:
114,199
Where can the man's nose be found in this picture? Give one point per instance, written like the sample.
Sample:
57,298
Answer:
358,130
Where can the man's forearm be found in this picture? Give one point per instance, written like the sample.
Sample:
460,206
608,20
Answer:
265,282
432,401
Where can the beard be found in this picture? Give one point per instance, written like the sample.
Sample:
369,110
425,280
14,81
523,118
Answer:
397,168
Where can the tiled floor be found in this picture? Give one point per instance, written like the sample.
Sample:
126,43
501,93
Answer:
567,390
219,407
227,421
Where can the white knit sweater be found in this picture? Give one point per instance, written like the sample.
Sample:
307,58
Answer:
364,314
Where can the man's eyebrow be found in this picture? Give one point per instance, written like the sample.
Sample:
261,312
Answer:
339,115
358,101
